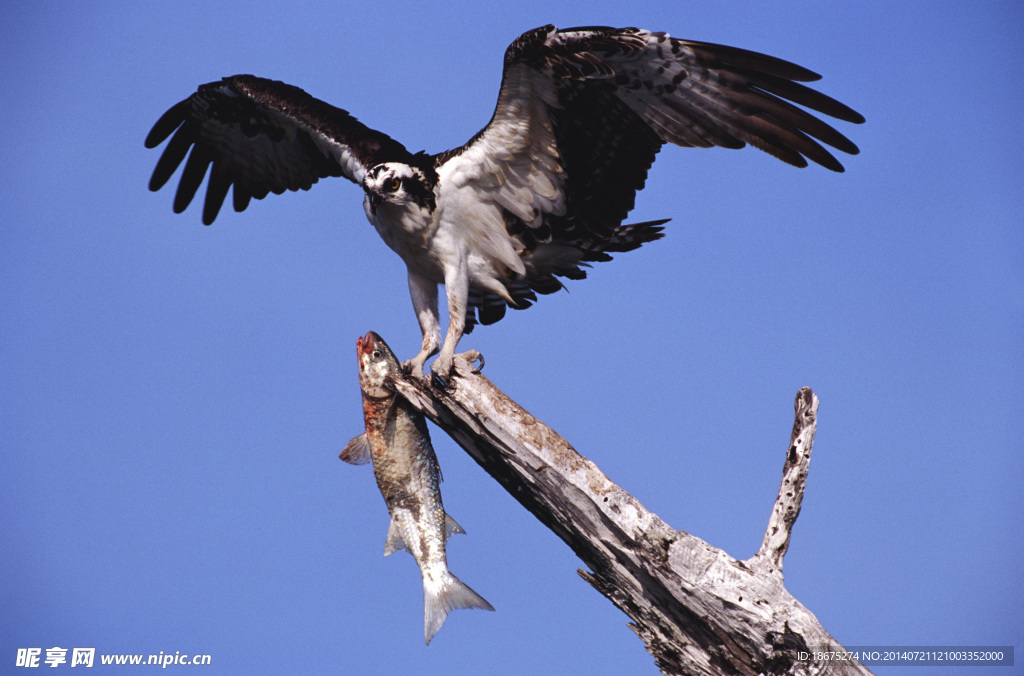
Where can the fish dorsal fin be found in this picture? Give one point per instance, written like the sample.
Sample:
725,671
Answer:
451,526
394,541
357,451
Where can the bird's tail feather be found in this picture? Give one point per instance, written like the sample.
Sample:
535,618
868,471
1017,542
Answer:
566,258
625,238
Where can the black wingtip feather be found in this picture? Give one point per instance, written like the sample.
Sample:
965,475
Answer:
191,178
167,123
216,191
172,157
805,96
240,198
745,59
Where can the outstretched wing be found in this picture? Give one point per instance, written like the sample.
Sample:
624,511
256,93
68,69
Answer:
260,136
583,111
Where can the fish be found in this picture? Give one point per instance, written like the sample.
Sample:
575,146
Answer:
405,467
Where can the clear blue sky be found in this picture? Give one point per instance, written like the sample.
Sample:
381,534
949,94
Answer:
174,396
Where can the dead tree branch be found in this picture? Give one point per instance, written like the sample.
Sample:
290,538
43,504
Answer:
697,609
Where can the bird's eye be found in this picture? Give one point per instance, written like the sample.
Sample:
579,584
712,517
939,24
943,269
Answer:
392,184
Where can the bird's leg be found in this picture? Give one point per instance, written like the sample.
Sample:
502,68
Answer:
456,283
424,301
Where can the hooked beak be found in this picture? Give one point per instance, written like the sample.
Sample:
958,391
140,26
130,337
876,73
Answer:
375,201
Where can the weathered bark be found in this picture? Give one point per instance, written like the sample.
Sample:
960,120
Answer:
698,610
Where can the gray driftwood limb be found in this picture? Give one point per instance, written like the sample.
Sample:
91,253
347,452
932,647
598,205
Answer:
697,609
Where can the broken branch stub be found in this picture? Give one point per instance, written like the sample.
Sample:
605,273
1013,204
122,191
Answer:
794,481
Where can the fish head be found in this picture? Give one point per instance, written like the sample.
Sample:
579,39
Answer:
376,364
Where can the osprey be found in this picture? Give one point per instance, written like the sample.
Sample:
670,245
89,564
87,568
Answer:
538,193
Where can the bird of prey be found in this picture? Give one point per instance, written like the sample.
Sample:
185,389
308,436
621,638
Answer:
539,193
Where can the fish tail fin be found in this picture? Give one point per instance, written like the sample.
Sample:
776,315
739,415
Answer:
444,594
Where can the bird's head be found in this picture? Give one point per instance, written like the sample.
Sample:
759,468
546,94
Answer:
397,183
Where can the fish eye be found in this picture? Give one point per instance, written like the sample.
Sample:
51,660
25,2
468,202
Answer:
376,354
392,184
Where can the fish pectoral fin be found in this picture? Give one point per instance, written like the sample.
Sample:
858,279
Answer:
394,541
451,526
357,451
